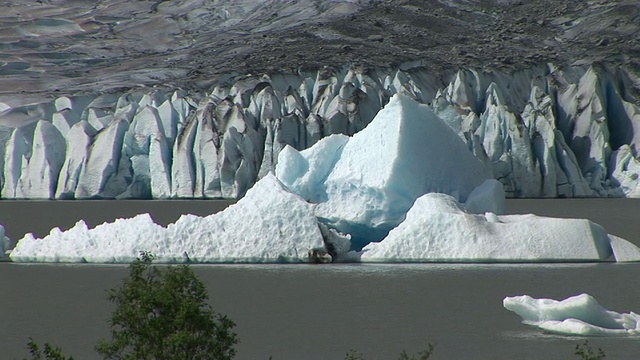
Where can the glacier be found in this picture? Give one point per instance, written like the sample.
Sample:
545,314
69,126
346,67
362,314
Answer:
382,195
544,131
579,315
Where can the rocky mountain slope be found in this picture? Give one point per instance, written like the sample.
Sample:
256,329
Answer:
195,98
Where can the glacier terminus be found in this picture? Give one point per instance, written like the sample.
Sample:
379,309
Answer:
545,132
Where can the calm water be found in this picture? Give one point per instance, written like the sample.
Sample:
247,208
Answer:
321,312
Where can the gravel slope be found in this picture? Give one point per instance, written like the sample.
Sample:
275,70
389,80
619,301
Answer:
54,47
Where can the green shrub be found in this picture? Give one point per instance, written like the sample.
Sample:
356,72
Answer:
50,352
164,315
585,352
354,355
422,355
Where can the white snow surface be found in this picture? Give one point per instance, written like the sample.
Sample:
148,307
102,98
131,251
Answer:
365,184
268,225
438,228
577,315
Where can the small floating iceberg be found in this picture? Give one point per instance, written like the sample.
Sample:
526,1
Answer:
579,315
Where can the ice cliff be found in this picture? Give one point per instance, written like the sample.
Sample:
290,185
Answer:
544,132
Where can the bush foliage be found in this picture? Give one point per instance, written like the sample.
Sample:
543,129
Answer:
161,314
164,315
50,352
422,355
585,352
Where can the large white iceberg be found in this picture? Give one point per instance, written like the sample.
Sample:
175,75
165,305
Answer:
364,185
344,193
438,228
576,315
269,225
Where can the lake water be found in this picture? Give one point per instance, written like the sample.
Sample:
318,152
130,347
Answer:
322,311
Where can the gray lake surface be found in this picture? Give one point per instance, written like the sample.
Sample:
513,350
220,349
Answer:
323,311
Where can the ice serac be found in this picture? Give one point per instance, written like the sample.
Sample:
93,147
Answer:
68,112
240,150
182,166
268,225
78,139
578,315
438,228
600,126
218,151
16,155
146,127
624,172
39,178
508,145
583,119
373,179
102,161
561,175
205,148
160,167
